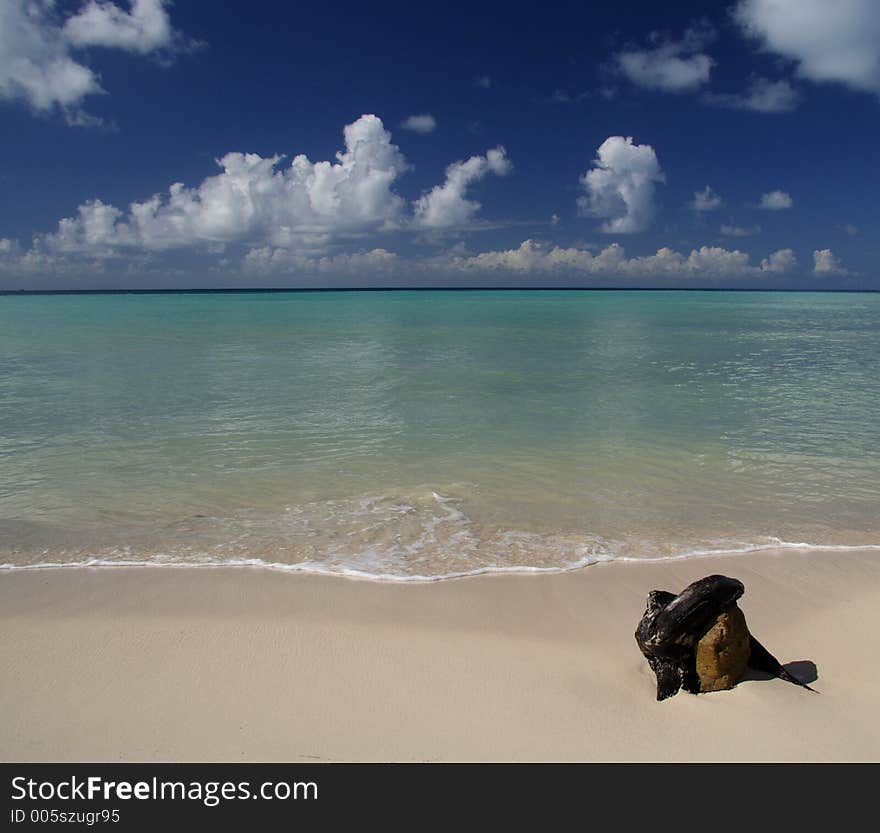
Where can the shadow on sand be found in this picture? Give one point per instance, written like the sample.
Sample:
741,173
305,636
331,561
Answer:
803,669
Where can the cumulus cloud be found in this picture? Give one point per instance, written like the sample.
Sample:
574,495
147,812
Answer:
706,200
730,230
445,205
826,264
620,185
543,260
424,123
305,208
674,66
783,260
761,96
16,262
145,28
829,42
776,201
707,262
300,205
37,61
267,260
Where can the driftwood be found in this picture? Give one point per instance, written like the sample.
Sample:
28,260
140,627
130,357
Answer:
699,641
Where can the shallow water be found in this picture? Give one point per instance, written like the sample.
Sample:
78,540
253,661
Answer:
424,434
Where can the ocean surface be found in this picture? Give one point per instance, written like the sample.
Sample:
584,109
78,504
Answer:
419,435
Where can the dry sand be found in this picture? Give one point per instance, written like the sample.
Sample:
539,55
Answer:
237,664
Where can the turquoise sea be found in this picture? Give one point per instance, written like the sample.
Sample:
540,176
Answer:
427,434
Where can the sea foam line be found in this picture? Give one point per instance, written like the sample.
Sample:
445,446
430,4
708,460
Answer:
314,568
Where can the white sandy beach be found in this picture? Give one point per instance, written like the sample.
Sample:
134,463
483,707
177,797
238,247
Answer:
237,664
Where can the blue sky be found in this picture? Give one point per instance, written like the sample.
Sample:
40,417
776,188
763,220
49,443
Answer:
151,144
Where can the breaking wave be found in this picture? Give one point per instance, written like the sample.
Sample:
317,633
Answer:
425,537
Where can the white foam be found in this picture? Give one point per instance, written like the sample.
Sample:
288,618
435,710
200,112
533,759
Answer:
317,568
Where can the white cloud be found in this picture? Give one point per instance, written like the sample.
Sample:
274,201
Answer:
762,96
776,201
445,205
424,123
300,206
827,264
706,263
706,200
31,263
145,28
620,185
672,66
272,261
701,265
96,229
303,207
729,230
783,260
830,42
483,82
37,64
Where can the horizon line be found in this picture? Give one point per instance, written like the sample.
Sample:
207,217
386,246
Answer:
270,289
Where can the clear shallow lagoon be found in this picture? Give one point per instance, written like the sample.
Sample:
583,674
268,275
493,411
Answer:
424,434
